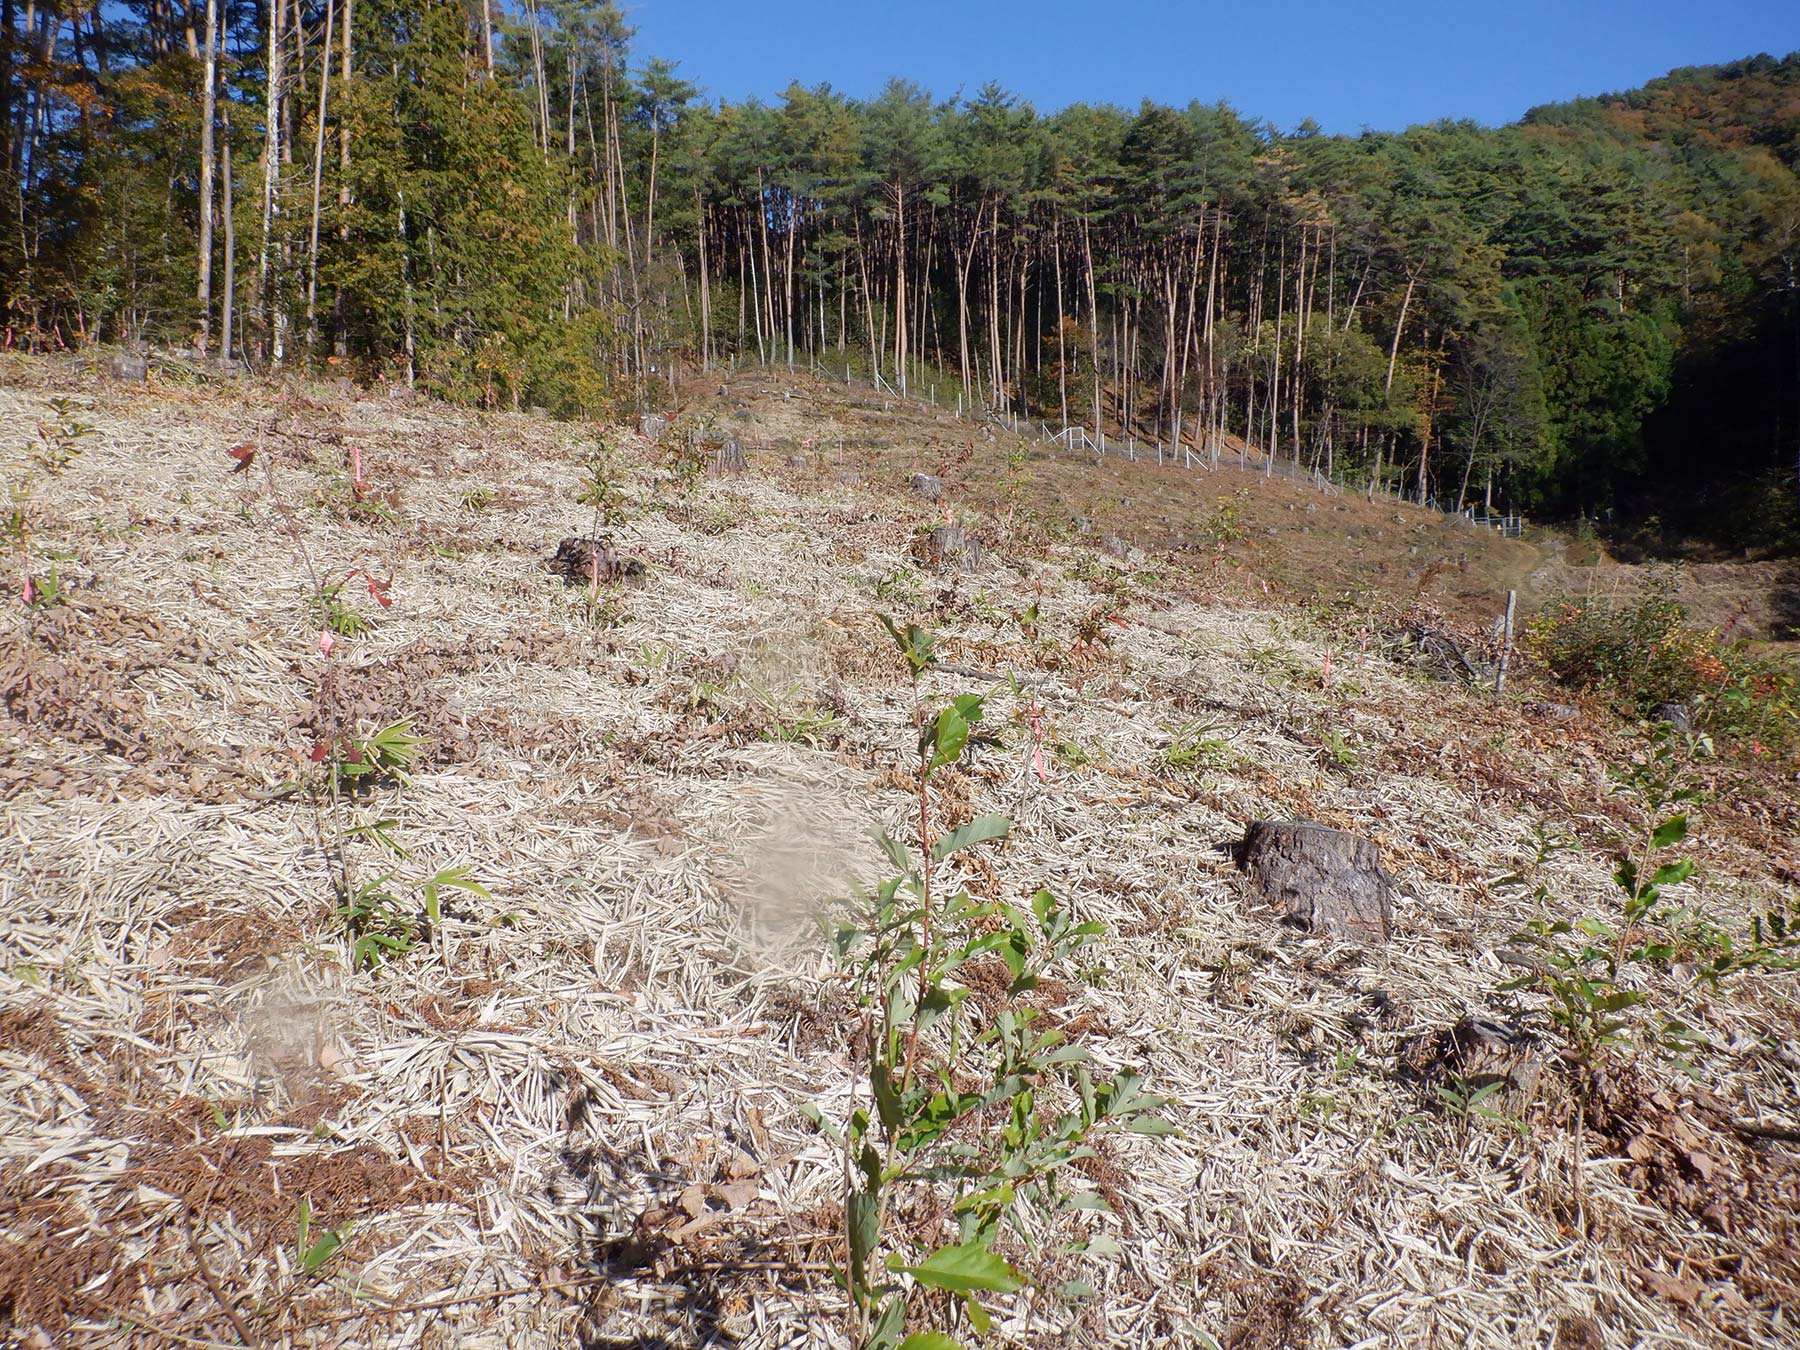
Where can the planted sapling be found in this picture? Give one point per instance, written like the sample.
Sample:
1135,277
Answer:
972,1112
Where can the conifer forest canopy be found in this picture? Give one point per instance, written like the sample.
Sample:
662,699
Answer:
1596,309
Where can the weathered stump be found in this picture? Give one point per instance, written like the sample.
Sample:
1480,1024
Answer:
652,425
1323,880
1553,712
948,546
1479,1053
576,560
928,486
128,366
1676,716
729,457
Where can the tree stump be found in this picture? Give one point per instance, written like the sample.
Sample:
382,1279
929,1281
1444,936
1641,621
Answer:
1676,716
948,546
577,559
1553,712
1479,1052
652,425
729,457
1323,880
128,366
927,486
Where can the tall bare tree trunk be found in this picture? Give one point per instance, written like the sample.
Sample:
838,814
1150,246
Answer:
1302,304
312,248
341,338
208,115
228,305
793,229
900,280
1087,251
271,312
1062,346
1274,444
1387,385
650,202
537,67
705,291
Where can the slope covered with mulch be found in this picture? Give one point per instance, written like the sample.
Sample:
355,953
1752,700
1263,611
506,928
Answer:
570,1113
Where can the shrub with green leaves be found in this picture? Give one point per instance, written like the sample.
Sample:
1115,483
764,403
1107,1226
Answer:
971,1112
1596,970
1647,654
604,486
58,443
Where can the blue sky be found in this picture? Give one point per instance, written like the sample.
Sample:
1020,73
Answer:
1346,65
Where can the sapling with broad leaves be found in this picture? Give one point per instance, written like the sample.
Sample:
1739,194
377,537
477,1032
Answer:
971,1113
1595,970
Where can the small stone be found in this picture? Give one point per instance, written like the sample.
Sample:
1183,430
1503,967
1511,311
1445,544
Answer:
128,366
927,486
1323,880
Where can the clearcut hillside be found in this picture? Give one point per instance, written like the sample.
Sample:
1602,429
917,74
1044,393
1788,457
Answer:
566,1108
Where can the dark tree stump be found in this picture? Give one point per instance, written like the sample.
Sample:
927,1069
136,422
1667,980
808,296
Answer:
927,486
576,560
1323,880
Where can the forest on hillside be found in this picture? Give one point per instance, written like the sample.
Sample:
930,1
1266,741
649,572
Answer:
1596,310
